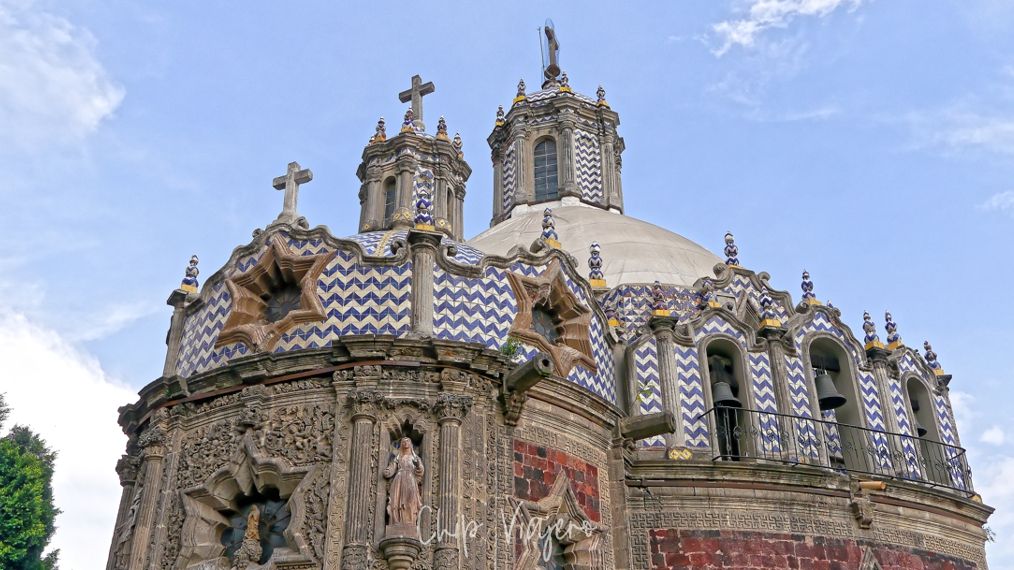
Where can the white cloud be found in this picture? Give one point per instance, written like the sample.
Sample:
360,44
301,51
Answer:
763,15
993,436
111,319
64,395
1000,202
52,86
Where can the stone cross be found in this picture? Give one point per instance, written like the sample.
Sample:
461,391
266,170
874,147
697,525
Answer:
415,94
294,176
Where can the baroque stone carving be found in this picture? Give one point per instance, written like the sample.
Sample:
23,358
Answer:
277,293
571,321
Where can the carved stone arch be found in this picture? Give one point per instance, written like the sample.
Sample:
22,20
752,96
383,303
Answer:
560,513
247,472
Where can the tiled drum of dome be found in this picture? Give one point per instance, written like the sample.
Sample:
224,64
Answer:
601,381
588,166
473,309
691,387
649,391
358,299
200,331
805,429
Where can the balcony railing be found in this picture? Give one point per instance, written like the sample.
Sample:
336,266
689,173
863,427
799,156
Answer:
746,435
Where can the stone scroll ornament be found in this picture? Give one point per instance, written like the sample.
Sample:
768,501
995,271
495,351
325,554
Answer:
404,501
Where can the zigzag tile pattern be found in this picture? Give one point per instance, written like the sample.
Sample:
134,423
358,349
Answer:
479,310
905,426
806,432
540,97
741,286
601,382
764,399
510,177
588,166
358,299
482,310
197,351
632,303
649,390
691,387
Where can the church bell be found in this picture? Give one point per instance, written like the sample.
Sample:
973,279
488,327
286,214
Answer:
921,431
723,396
827,394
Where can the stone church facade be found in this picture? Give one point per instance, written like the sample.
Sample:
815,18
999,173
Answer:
572,388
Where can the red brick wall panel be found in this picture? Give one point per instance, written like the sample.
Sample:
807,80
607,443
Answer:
714,550
536,468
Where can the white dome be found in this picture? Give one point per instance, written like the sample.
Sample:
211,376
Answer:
633,251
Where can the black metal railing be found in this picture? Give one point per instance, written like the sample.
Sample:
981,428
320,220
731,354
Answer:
743,435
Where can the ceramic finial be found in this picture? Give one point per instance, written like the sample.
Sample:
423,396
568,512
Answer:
731,250
893,338
189,283
380,135
442,128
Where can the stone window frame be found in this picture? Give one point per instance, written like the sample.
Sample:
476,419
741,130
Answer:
550,289
553,173
246,322
559,509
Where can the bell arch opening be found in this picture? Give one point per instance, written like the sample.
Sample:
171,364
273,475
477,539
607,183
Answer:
726,391
924,424
840,405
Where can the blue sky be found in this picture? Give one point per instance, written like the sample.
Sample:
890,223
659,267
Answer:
868,141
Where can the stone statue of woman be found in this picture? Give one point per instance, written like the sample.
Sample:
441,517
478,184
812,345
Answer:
406,472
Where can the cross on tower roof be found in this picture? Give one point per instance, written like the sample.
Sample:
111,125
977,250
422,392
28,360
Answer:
415,94
294,176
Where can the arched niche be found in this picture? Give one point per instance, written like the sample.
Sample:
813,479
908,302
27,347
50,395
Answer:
732,427
920,406
210,507
413,424
844,438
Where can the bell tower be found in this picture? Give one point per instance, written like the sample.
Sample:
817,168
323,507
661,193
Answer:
555,146
393,168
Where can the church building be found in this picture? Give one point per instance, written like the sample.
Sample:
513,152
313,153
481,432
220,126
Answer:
572,388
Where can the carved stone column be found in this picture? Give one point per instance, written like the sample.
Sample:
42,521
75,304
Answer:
451,409
608,170
372,201
878,356
153,449
524,171
424,254
177,300
406,171
569,185
357,519
126,468
497,157
783,396
664,329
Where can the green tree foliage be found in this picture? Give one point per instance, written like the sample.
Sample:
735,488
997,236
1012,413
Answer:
27,512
